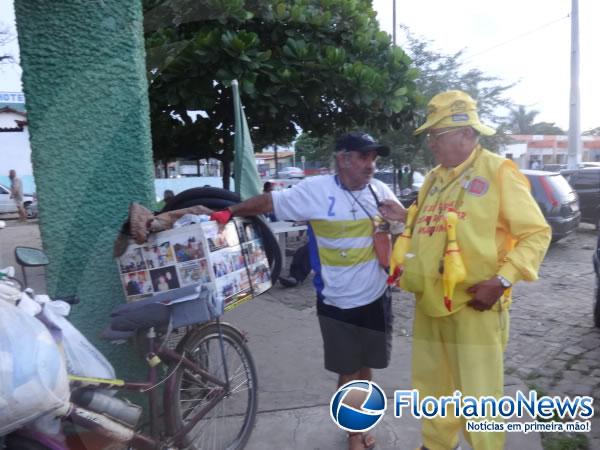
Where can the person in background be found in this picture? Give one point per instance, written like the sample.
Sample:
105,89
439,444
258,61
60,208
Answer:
501,238
16,193
167,197
353,299
268,188
299,269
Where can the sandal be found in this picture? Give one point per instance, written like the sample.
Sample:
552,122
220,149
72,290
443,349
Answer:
367,441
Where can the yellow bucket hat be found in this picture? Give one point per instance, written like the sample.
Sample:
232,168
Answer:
453,109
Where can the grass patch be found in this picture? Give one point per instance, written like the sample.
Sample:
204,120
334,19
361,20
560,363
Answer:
552,441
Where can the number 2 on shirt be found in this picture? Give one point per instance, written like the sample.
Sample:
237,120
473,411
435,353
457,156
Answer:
330,212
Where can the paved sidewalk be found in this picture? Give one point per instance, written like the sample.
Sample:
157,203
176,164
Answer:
295,389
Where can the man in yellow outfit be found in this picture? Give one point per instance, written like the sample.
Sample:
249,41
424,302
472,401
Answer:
502,237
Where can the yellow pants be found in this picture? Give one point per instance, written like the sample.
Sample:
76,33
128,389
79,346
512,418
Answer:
465,352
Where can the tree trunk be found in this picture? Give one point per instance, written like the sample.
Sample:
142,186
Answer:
226,174
165,168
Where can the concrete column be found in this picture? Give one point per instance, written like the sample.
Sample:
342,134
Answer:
86,90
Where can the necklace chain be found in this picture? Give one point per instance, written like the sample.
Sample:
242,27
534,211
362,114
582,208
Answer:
352,201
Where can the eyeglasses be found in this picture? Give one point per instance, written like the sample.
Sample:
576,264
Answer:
433,136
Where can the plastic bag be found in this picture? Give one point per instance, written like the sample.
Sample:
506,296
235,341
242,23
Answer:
83,358
33,375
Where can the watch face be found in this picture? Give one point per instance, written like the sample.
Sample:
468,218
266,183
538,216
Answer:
504,282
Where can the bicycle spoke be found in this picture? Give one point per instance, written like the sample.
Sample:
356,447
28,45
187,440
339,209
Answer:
227,425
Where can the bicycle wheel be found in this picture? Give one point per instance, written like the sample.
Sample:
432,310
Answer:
227,426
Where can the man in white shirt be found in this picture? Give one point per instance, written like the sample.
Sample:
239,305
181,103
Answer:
353,300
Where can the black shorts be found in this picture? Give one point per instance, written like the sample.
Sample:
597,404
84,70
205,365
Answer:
356,337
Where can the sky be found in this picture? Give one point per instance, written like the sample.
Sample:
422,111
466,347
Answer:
524,41
535,51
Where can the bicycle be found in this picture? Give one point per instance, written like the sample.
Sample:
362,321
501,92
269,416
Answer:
209,387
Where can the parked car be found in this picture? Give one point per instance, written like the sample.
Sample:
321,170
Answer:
291,172
407,195
586,182
557,200
7,204
561,167
597,291
554,167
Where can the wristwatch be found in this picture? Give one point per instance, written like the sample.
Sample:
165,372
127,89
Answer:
504,282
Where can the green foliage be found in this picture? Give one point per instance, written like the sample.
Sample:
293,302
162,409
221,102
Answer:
521,121
564,441
321,65
434,72
438,72
592,132
314,148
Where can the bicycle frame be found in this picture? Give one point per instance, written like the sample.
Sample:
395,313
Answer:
91,421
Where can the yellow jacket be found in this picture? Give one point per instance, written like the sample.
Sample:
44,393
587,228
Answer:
501,230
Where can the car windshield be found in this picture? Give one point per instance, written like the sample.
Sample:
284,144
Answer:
386,177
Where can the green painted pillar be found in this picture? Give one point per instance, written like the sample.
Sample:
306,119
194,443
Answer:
85,83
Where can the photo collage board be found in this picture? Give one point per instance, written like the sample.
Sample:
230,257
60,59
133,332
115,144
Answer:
229,258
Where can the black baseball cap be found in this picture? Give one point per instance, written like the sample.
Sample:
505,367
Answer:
359,141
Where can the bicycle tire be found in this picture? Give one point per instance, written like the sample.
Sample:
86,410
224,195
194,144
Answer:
200,192
202,346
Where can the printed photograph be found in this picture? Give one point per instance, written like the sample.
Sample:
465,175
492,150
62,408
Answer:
250,232
236,258
160,255
215,236
230,234
187,248
233,284
227,287
260,276
194,272
132,260
243,279
150,256
136,284
221,263
164,279
254,252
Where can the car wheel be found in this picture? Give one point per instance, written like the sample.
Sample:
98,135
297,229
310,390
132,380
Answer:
30,211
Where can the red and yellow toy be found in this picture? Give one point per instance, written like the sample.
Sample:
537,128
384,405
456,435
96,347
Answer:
401,246
454,268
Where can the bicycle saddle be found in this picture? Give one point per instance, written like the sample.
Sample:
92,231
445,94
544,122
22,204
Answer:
151,312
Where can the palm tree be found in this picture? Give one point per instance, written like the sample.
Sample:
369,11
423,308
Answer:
520,121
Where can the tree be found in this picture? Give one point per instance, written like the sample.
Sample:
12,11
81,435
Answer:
521,121
592,132
322,65
547,128
438,72
315,149
6,37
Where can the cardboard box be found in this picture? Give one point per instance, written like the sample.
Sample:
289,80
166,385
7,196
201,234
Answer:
229,262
